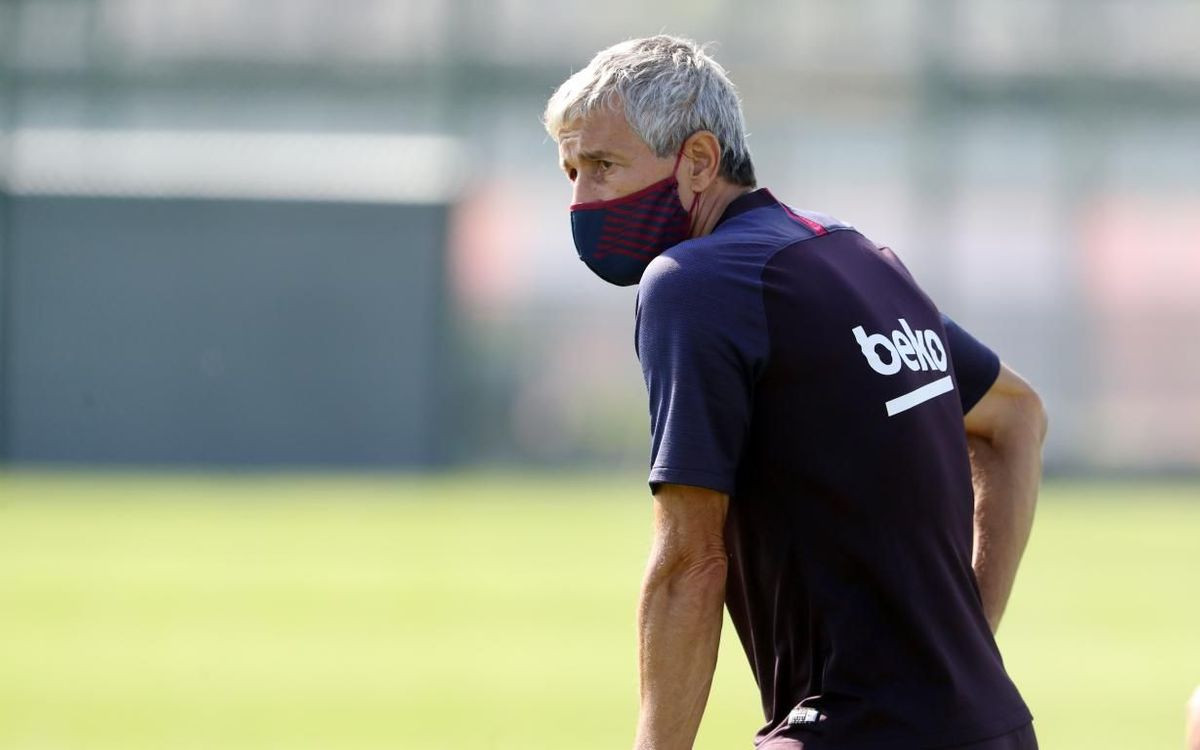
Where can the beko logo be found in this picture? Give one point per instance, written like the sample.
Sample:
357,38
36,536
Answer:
919,350
904,347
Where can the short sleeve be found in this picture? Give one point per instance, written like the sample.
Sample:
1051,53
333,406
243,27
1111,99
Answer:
699,339
975,365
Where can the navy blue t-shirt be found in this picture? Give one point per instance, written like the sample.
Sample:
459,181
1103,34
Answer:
796,366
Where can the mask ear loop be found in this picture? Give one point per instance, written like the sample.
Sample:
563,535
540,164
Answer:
691,211
678,158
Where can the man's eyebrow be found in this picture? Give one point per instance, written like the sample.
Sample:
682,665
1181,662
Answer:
599,155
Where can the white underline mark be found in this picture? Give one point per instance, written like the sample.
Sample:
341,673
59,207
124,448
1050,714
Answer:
919,396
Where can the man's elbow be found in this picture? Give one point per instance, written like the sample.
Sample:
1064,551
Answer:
1024,422
1036,418
707,572
700,572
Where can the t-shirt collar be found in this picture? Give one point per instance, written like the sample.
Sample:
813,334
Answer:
746,202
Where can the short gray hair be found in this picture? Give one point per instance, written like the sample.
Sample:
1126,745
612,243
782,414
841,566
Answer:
669,88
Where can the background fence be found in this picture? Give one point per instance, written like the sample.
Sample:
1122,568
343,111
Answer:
1037,165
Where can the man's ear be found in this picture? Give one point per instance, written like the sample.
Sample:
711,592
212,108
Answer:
703,152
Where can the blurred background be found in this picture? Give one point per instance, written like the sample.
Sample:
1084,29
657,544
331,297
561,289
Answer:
329,243
292,232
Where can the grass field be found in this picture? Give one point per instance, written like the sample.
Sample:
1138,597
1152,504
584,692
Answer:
487,612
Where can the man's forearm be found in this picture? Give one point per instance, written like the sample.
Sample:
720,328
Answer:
679,630
1007,472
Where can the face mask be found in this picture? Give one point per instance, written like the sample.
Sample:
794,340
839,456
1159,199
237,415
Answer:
618,238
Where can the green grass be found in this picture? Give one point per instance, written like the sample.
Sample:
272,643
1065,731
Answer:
487,612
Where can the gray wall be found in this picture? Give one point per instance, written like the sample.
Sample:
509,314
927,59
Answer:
188,331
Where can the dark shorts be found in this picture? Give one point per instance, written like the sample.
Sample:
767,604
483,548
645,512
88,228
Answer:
1021,739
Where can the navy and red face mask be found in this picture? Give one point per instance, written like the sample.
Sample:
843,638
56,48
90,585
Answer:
618,238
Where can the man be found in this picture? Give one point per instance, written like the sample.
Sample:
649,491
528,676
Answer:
810,465
1193,721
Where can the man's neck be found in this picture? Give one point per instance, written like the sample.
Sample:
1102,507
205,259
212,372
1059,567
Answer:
712,204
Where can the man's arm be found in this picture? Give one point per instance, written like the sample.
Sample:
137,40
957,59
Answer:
679,616
1005,430
1193,721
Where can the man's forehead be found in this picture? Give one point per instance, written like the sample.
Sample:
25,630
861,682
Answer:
602,130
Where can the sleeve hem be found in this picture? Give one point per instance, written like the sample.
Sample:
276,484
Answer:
709,480
969,400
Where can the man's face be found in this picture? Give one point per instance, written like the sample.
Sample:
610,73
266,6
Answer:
604,159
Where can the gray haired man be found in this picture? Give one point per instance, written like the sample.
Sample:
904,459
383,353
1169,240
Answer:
843,467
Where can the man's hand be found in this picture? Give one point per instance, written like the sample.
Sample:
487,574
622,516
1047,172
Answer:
679,617
1005,431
